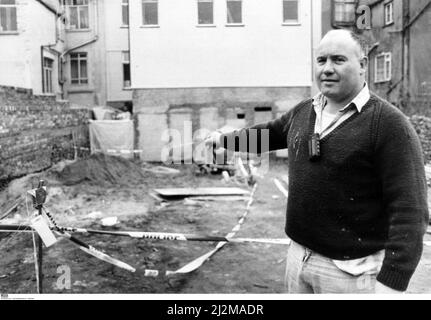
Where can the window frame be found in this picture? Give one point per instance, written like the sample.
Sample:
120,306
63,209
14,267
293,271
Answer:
14,9
345,3
387,70
47,85
125,10
227,13
81,80
291,22
387,5
68,6
149,25
212,24
124,63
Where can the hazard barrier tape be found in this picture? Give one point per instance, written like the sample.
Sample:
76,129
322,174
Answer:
110,150
152,235
197,263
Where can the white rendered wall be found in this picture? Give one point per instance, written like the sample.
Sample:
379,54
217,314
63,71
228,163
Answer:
20,53
262,53
116,41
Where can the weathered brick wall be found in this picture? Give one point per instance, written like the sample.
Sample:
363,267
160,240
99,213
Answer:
422,126
37,131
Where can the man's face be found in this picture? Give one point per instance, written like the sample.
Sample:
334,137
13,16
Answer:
340,68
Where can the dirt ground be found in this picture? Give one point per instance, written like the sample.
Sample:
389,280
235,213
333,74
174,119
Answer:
236,268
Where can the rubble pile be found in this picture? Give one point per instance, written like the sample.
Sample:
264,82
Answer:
422,126
103,170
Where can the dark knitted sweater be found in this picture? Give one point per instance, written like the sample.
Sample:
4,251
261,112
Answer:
367,192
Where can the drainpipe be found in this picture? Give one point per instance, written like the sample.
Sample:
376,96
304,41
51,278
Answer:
43,73
405,36
312,44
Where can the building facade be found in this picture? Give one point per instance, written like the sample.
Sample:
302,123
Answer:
400,42
96,60
32,39
209,63
204,62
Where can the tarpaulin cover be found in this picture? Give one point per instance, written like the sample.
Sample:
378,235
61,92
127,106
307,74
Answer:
112,137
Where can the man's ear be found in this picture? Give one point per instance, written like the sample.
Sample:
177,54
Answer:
364,64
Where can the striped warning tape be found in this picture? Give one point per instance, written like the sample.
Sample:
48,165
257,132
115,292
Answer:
197,263
281,187
150,235
109,150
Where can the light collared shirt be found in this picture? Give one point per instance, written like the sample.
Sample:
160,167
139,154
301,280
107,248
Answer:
324,118
371,264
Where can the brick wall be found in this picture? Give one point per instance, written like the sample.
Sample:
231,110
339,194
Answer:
37,131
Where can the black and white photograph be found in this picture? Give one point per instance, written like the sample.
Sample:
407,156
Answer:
198,149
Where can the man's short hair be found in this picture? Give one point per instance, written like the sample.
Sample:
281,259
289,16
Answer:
361,41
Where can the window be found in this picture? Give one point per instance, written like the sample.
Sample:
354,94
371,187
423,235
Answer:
126,69
383,67
8,16
205,12
125,12
389,13
78,68
234,11
47,75
150,12
344,12
290,11
77,14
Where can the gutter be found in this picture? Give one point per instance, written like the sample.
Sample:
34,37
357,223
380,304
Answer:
49,8
413,20
374,47
394,86
63,61
78,46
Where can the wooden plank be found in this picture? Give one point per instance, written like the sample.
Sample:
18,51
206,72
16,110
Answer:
224,198
190,192
162,170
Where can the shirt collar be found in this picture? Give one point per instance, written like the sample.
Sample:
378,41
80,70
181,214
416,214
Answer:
359,101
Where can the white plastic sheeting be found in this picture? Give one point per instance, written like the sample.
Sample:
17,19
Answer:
112,137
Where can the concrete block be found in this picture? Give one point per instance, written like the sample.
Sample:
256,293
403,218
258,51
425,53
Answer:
150,130
180,124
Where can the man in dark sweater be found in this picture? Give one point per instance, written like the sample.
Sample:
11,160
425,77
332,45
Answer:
357,208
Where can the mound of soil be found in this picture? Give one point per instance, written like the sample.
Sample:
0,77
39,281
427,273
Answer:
103,170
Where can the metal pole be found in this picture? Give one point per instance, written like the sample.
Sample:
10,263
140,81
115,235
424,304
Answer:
39,260
39,263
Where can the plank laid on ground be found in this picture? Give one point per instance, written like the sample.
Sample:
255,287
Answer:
225,198
190,192
162,170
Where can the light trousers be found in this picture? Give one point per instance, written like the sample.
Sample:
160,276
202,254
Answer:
308,272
